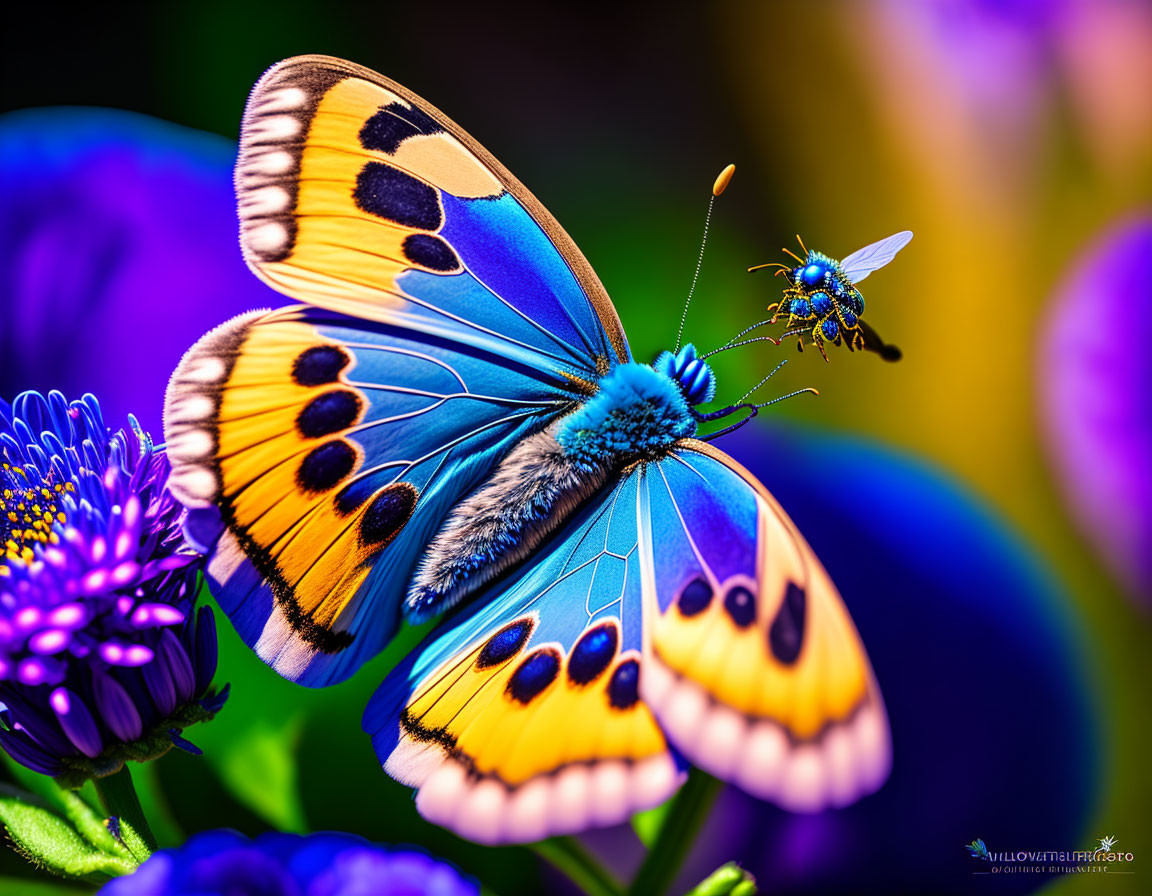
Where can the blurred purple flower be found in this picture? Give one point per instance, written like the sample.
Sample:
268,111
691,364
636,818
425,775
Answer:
225,863
118,240
1095,384
101,659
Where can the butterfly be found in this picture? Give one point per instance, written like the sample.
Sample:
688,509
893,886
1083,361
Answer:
822,296
452,424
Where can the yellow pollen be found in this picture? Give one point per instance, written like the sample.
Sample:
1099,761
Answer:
27,518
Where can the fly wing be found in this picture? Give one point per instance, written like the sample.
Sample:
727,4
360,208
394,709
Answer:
871,258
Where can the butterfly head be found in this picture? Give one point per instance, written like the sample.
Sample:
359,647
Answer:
689,372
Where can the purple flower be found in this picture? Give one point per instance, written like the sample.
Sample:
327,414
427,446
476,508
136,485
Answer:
101,658
223,863
111,223
1095,381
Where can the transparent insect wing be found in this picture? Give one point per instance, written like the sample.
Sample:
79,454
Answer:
871,258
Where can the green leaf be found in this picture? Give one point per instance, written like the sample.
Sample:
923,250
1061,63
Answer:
28,887
258,766
647,824
49,841
727,880
90,824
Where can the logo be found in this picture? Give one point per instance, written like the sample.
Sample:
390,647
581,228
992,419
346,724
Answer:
1102,859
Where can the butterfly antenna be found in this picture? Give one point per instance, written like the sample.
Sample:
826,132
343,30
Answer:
801,242
775,369
718,187
748,330
794,255
733,345
807,389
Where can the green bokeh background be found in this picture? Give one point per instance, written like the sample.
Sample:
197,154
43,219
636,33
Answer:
845,126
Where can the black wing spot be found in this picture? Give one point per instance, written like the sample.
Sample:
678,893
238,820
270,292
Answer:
325,466
505,644
389,193
786,635
391,125
328,413
538,670
319,365
624,687
430,252
741,606
593,653
388,513
695,597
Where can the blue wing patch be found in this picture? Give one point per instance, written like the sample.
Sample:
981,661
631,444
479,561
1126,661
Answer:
520,717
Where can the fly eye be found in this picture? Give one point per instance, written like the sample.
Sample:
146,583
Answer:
812,275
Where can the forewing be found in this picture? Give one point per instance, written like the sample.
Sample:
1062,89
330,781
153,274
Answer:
358,196
752,665
871,258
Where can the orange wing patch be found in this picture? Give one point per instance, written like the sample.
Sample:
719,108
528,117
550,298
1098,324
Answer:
275,457
338,183
508,742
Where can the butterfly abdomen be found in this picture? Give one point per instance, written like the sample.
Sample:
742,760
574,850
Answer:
636,414
533,490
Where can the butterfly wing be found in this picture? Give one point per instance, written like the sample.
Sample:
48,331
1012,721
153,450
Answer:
450,316
871,258
358,196
520,717
748,665
752,665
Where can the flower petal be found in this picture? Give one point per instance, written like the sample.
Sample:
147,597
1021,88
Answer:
99,207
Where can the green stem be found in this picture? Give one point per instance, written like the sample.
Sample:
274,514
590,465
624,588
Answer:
120,800
689,809
568,856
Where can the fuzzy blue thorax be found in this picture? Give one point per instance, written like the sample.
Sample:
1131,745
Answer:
637,412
